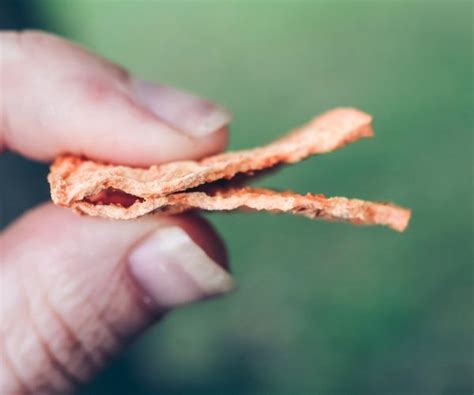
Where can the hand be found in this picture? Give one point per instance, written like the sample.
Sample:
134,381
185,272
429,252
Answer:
75,289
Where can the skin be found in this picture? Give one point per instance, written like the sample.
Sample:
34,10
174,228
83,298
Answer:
68,303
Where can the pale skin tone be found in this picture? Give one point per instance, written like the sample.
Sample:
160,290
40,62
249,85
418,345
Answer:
74,290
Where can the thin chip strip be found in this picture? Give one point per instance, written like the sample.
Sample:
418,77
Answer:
72,178
340,209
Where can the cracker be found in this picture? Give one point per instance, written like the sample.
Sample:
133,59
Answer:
122,192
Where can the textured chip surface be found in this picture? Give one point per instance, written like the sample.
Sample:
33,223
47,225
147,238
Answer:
90,187
339,209
73,178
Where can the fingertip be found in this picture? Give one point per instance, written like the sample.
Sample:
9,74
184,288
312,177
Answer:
203,233
48,223
215,142
176,264
191,114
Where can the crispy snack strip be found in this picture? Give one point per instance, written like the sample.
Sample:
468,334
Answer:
73,178
122,192
312,206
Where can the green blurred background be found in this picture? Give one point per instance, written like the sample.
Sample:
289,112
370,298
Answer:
321,308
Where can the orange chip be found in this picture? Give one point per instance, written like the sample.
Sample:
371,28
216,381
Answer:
341,209
123,192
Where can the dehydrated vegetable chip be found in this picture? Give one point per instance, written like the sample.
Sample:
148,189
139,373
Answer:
123,192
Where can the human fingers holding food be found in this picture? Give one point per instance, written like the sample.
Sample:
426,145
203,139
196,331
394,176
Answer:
74,289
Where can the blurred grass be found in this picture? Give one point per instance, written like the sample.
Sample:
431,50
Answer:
322,308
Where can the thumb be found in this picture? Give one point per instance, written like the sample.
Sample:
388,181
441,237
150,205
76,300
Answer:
74,289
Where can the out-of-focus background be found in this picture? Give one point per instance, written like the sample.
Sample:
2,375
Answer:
321,308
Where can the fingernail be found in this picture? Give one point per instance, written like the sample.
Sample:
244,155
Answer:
190,114
172,270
